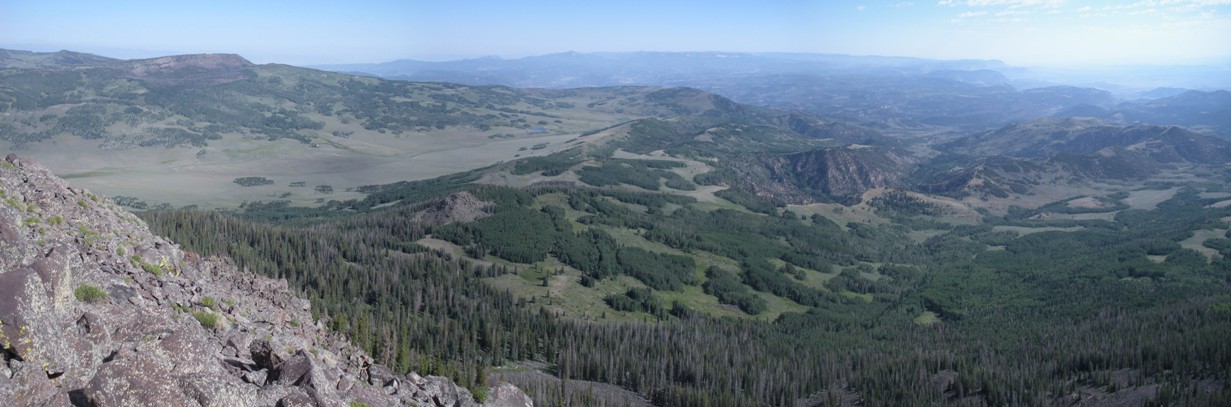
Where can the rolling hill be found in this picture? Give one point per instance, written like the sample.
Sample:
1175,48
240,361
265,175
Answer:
552,238
212,119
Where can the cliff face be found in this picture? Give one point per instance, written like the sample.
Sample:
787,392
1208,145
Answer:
97,311
838,171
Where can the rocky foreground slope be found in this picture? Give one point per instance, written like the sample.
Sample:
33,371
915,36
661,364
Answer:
97,311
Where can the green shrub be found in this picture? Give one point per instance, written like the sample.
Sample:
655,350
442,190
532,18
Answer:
152,268
209,302
89,293
206,318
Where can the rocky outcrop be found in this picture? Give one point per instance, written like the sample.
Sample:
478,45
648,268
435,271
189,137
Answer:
457,207
97,311
201,69
838,172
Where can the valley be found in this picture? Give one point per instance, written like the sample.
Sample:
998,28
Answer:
775,242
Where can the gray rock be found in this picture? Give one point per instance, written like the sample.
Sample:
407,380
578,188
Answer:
445,393
189,351
31,322
258,377
216,391
59,400
7,397
30,385
507,395
381,376
135,381
300,370
263,354
55,269
345,384
122,291
238,343
297,398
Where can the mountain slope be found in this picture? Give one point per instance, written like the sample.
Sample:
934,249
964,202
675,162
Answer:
1207,110
27,59
1045,138
1019,158
573,69
95,310
838,171
317,135
901,94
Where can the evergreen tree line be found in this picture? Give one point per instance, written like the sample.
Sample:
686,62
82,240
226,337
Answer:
1050,315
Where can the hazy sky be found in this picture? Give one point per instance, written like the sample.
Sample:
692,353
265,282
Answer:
1020,32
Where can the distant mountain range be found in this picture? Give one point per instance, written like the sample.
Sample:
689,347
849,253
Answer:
573,69
27,59
898,95
850,125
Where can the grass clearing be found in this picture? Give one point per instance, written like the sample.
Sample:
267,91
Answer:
927,318
201,176
1148,198
812,278
1199,237
1220,204
854,295
1024,230
564,293
840,214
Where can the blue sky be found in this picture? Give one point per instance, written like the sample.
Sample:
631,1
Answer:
1020,32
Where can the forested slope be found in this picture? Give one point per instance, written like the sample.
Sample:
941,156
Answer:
1038,318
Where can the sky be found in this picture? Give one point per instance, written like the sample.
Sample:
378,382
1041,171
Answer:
304,32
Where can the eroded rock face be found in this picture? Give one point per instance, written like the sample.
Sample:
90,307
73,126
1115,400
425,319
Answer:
457,207
96,311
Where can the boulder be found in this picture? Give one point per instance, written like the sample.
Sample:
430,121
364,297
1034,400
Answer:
34,329
381,376
29,385
263,354
297,398
136,380
216,391
507,395
258,377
